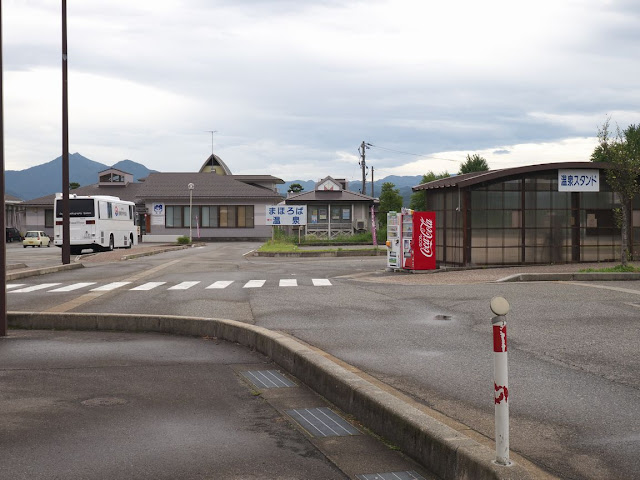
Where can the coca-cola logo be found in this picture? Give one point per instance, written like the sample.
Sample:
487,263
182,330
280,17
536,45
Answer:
425,238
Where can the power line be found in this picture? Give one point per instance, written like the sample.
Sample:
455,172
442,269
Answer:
414,154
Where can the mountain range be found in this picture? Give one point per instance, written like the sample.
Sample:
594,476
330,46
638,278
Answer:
46,178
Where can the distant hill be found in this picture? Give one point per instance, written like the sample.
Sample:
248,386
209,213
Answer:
402,183
46,179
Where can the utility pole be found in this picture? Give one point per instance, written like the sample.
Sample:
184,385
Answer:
372,180
363,146
66,233
3,251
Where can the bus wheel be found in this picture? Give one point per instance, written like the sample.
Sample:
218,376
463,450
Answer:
111,243
76,251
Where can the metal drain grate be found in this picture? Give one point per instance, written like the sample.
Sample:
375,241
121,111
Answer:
322,422
391,476
268,379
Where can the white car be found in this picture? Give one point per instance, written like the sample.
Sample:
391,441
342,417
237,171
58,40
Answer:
36,238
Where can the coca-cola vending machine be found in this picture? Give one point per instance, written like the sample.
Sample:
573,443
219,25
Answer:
424,240
411,240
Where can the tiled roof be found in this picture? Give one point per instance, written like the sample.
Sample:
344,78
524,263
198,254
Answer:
127,192
329,196
11,199
207,186
258,178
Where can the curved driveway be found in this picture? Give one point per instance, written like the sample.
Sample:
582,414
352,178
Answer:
574,368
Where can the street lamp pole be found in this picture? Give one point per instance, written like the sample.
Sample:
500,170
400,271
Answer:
190,187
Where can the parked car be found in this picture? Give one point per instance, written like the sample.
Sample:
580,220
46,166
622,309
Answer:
13,235
36,238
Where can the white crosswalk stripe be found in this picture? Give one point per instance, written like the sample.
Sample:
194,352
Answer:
148,286
110,286
42,286
183,286
220,284
71,288
217,285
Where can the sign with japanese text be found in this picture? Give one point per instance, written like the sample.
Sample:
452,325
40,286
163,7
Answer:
579,180
286,215
424,240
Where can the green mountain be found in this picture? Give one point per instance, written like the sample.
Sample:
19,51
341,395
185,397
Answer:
46,179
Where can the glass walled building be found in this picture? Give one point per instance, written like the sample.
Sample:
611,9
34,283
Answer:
552,213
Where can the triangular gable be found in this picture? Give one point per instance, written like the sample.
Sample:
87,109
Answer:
328,184
214,164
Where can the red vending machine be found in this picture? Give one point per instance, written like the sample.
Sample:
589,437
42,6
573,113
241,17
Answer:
424,241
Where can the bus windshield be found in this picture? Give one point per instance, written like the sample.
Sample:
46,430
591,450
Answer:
78,207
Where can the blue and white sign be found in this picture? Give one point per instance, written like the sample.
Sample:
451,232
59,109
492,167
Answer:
579,180
286,215
158,209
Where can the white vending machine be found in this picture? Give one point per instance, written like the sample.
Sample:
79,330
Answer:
394,255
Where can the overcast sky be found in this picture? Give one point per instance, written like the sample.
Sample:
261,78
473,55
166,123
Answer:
293,87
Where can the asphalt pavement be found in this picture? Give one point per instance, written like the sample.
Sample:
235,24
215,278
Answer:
106,405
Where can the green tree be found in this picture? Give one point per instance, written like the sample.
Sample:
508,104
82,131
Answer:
622,151
474,163
73,185
295,188
419,199
390,201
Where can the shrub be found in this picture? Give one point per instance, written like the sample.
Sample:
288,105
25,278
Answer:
184,240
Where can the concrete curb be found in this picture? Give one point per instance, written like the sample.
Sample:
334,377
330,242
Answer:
337,253
41,271
445,451
569,277
154,252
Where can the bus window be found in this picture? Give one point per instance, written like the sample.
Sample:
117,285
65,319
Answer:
78,207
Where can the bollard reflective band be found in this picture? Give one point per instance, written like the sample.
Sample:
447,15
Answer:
499,338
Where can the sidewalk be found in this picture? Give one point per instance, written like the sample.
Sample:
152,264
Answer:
78,405
457,276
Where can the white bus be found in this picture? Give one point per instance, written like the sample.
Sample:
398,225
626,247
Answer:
97,222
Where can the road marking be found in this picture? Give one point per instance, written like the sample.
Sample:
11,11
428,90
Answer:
321,282
148,286
254,284
183,286
42,286
72,287
288,282
15,285
221,284
110,286
92,295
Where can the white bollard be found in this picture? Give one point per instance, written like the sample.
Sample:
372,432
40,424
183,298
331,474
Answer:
500,307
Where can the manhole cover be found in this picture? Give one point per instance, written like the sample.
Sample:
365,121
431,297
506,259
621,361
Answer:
103,402
443,317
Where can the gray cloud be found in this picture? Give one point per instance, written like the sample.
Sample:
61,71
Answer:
273,76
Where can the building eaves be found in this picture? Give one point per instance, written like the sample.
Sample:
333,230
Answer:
474,178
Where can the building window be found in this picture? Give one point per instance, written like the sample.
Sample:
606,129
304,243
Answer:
48,217
209,216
